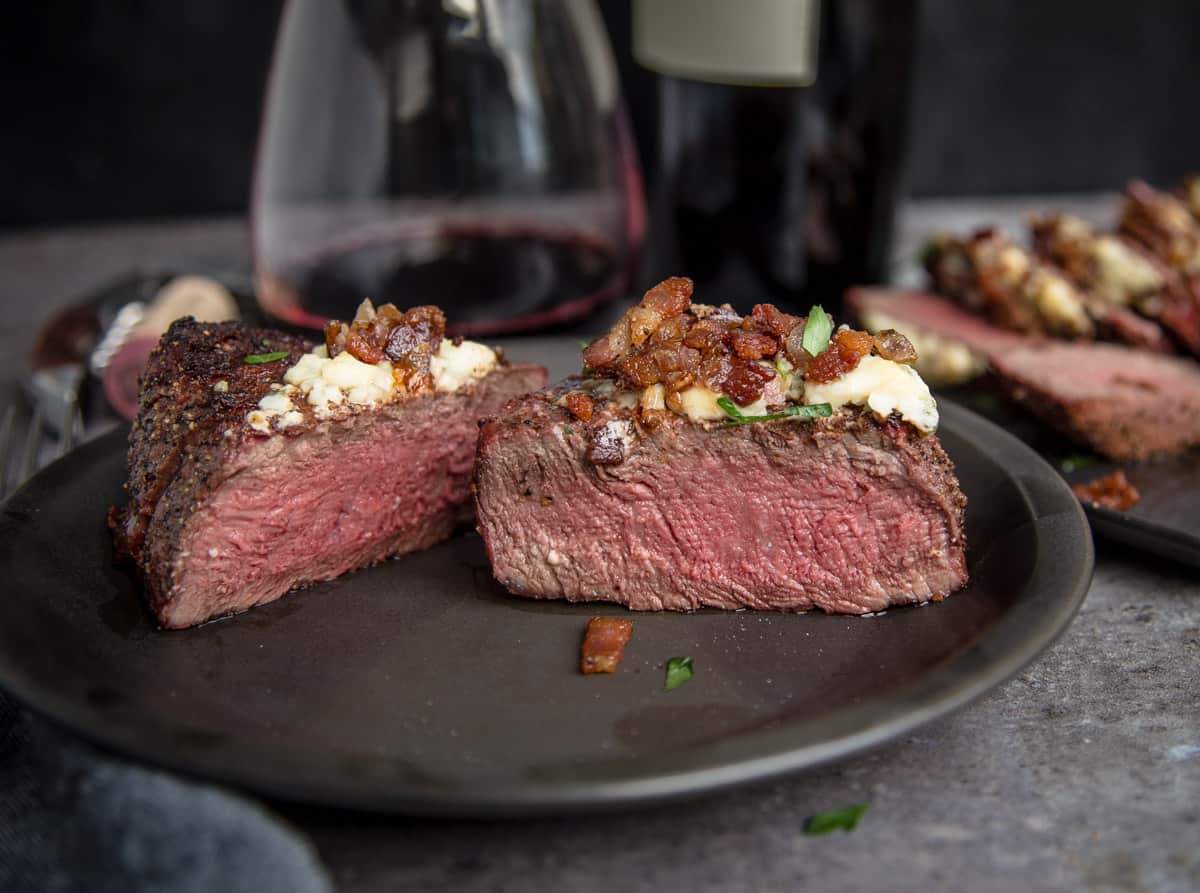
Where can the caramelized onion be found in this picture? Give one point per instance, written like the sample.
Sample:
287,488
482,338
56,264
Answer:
895,346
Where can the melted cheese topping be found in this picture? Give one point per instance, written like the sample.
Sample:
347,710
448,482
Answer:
456,365
885,387
1122,273
327,384
1058,303
700,404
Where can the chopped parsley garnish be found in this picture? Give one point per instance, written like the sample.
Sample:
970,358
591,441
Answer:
1075,462
817,331
983,402
836,820
812,411
256,359
679,671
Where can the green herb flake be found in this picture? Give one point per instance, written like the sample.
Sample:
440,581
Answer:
983,402
930,253
817,331
836,820
256,359
730,408
1075,462
811,411
679,671
568,430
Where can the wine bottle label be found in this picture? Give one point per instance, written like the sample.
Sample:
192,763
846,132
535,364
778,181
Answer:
769,43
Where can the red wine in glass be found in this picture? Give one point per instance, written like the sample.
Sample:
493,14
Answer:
462,154
496,280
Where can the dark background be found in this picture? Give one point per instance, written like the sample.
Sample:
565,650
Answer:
137,109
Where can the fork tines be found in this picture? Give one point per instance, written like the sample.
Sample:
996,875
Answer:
18,467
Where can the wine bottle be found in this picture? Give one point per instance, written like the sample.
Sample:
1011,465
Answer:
780,143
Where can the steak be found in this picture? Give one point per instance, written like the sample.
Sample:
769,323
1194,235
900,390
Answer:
710,459
846,514
1121,402
1118,273
1165,228
1016,289
224,515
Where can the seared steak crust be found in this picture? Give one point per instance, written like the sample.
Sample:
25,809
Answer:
222,517
184,412
847,514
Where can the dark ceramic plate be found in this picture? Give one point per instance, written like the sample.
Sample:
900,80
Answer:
1166,519
420,686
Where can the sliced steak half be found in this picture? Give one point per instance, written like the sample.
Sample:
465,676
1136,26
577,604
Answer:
847,514
223,516
1122,402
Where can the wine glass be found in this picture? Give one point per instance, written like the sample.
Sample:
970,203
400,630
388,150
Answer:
472,154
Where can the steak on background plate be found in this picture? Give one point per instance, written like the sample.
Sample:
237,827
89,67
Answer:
243,486
1121,402
691,469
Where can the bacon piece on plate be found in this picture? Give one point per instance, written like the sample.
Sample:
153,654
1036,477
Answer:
604,644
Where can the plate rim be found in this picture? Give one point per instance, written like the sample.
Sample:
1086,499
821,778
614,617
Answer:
1147,536
755,757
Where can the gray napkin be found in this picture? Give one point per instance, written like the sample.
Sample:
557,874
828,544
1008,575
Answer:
74,818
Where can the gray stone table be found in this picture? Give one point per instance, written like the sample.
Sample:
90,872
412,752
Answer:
1081,773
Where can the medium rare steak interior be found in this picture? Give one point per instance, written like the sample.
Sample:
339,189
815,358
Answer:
708,459
259,464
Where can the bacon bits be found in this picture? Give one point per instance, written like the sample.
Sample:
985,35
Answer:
604,644
359,346
666,300
845,351
666,345
746,382
775,320
753,345
1113,491
580,405
409,339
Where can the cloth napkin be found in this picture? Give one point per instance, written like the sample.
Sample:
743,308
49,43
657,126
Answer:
75,818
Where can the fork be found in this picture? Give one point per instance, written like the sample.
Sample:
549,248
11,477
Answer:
34,440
